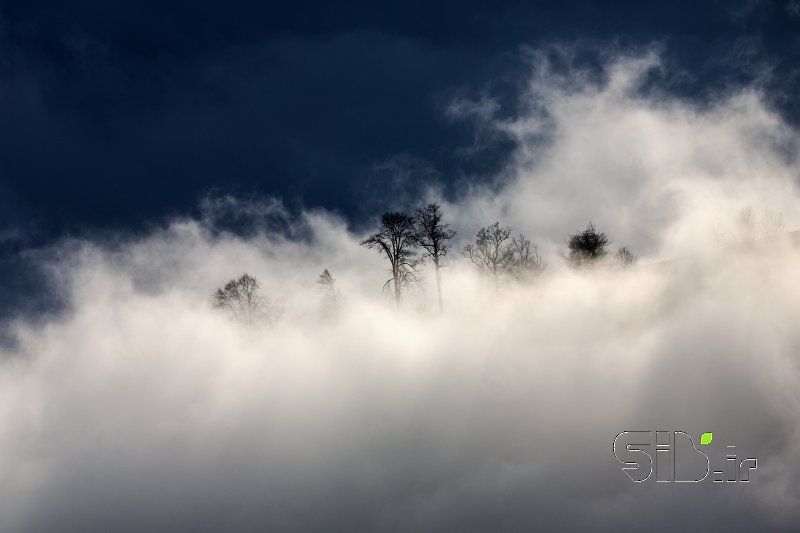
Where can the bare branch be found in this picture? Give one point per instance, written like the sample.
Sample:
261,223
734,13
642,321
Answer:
396,239
242,299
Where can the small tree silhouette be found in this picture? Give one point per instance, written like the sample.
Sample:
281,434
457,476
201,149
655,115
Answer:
625,257
525,262
771,223
586,247
746,224
750,227
491,253
330,293
396,239
242,299
432,236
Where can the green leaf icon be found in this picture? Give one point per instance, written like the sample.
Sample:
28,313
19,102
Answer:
706,437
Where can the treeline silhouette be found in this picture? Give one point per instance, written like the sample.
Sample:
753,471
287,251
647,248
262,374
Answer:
406,241
495,252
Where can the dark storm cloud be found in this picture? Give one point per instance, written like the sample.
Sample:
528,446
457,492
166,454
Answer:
113,113
104,106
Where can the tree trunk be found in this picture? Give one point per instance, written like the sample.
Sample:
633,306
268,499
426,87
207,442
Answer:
439,287
396,289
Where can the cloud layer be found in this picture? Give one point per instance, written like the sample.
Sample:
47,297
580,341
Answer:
139,407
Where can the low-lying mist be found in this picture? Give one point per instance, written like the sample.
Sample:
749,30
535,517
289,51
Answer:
140,407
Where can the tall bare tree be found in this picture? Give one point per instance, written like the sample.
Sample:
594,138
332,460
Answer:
432,236
330,292
491,253
587,246
397,239
242,299
526,262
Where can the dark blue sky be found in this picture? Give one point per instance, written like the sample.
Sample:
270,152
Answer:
113,114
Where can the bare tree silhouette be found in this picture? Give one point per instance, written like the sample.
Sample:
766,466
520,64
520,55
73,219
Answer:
432,236
751,227
242,299
525,263
587,246
331,298
771,223
396,239
625,257
746,224
491,253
